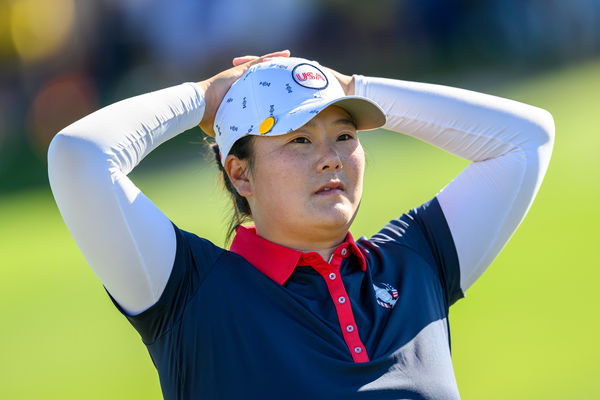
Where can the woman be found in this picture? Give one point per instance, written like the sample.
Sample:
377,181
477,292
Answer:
296,308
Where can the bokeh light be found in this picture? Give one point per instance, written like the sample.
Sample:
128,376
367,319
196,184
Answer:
6,46
59,102
40,28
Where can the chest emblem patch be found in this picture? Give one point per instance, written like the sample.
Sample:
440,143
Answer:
386,294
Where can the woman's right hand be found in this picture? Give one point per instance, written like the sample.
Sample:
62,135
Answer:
217,86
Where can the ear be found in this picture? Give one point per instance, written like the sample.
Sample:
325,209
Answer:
238,172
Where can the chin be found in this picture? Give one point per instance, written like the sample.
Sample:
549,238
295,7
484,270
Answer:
339,217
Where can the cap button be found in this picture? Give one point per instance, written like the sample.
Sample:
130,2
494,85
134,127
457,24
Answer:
267,125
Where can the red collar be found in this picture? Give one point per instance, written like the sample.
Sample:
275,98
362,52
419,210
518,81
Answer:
278,262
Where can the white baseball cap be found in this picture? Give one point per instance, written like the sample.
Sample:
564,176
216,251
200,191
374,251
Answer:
278,96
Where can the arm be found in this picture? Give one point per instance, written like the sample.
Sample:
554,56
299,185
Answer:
509,144
129,243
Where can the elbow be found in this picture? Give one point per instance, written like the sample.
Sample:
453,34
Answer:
60,147
71,157
59,144
546,123
534,129
63,148
62,154
543,129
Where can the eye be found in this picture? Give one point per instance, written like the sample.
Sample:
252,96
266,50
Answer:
345,136
300,139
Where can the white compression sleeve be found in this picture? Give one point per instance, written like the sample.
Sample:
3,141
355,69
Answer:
510,144
129,243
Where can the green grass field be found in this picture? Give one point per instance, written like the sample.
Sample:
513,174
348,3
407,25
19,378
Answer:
527,329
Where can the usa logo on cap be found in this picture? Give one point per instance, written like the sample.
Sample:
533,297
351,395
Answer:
309,76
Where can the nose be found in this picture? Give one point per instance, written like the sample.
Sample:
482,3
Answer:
330,160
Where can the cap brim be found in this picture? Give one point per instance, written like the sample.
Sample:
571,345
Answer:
366,114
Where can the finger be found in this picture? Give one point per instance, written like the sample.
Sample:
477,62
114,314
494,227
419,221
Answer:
266,57
243,59
282,53
254,59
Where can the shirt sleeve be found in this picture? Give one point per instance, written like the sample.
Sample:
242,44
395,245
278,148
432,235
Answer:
508,143
129,243
194,259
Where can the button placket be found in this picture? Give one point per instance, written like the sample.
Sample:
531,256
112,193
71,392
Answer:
330,272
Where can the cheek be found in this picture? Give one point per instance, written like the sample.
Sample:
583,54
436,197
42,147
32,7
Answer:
359,157
277,180
356,167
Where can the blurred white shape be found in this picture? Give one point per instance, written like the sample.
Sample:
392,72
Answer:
191,31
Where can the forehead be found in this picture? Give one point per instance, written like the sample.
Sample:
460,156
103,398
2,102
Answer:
331,115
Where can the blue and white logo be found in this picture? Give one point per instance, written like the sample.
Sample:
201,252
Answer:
386,294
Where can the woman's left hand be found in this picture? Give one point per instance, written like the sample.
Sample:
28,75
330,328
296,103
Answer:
216,87
346,81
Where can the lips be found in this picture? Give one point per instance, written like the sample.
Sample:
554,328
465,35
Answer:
331,187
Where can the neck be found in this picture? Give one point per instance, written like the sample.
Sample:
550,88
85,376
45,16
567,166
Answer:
306,243
325,253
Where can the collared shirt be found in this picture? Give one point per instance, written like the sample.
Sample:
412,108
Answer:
263,322
279,262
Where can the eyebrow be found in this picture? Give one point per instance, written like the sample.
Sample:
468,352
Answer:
341,121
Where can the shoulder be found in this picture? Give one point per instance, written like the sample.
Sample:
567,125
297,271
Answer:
418,230
190,246
418,242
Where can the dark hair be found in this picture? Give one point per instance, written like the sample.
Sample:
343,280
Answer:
242,149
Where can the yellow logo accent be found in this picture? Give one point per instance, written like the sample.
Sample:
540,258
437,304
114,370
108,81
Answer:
266,125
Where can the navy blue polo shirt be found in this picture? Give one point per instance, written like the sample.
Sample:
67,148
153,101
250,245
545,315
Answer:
262,321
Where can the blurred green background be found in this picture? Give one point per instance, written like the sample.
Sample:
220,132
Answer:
526,330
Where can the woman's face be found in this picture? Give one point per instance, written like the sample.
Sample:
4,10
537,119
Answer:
308,182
